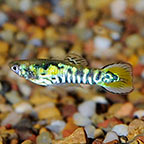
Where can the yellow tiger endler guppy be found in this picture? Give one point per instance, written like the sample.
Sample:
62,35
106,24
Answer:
116,78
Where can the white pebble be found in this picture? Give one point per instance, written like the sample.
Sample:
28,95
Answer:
102,43
118,8
90,130
110,136
100,99
139,113
25,5
115,36
23,107
121,129
3,18
25,89
81,120
139,6
87,108
56,126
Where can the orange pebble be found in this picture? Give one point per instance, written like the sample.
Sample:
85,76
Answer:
69,128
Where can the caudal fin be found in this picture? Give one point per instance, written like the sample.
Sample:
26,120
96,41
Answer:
120,78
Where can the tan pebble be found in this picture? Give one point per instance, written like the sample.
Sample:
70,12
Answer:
4,47
41,99
14,141
42,130
36,32
114,108
37,126
134,41
11,27
98,132
2,60
125,110
40,10
51,33
27,142
136,97
50,113
43,53
94,4
78,136
133,60
57,52
135,128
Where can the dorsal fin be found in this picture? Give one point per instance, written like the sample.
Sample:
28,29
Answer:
76,59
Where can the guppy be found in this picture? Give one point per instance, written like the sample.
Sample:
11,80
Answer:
116,78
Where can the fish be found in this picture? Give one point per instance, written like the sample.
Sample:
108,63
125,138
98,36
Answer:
74,69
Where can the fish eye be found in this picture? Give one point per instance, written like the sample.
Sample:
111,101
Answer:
15,68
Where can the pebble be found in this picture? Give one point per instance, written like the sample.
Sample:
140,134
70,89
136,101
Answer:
90,131
5,108
139,113
12,118
121,129
69,110
7,36
23,107
57,52
100,99
98,133
125,110
87,108
135,128
25,5
56,126
44,138
78,136
81,120
102,43
139,6
4,47
110,136
25,90
118,8
10,27
136,97
50,113
27,142
134,41
3,18
13,97
70,127
35,42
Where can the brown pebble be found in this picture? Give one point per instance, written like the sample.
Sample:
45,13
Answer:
68,110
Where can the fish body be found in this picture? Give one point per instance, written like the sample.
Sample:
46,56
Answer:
116,78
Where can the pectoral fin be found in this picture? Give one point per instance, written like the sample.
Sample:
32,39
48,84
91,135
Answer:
76,59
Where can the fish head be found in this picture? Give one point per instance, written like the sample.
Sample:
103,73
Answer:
21,68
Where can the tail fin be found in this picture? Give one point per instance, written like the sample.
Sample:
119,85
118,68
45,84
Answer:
121,78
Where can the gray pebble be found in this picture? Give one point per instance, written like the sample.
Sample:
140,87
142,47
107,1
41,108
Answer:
12,118
110,136
13,97
3,18
56,126
81,120
90,130
121,129
44,138
87,108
